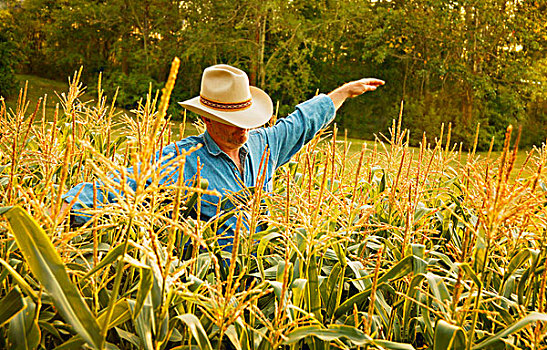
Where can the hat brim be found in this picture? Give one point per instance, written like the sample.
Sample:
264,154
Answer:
260,111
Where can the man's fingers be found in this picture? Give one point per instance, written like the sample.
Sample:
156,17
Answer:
361,86
372,81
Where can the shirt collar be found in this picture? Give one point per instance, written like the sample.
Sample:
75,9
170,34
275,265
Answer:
213,148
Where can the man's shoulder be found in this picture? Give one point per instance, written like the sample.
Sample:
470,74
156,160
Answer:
184,144
257,136
190,141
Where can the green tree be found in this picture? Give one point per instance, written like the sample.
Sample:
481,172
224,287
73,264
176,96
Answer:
460,62
8,57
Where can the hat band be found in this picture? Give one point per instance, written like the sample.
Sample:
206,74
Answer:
223,106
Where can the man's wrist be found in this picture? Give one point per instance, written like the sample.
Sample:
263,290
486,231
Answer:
338,96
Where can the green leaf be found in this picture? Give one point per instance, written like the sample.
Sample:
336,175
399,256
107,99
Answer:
197,330
515,327
479,251
189,205
448,336
382,187
107,260
418,250
130,337
403,268
74,343
517,260
262,247
45,326
143,323
245,336
277,287
298,288
11,305
19,280
232,334
46,264
409,302
340,253
145,285
334,287
470,273
23,332
336,332
313,296
438,290
120,314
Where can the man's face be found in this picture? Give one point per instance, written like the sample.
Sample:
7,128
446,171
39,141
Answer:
227,137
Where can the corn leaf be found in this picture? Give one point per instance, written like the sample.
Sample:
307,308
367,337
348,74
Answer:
11,305
313,296
197,330
517,260
120,315
45,263
408,303
232,334
107,260
403,268
479,251
143,323
448,336
145,285
74,343
515,327
337,332
19,280
470,273
23,332
333,288
262,247
130,337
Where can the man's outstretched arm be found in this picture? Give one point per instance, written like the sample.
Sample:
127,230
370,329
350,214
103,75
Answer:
353,89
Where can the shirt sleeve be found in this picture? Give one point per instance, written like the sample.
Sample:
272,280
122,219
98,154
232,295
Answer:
87,197
291,133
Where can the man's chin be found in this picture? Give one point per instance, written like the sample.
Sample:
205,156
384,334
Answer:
241,140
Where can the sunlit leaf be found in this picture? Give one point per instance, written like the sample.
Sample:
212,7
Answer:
45,263
11,305
198,333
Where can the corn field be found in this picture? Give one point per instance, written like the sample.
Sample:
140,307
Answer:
392,247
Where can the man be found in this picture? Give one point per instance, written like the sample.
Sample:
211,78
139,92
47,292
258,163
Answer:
232,149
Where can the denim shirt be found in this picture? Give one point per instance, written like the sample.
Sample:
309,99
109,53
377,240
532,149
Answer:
284,140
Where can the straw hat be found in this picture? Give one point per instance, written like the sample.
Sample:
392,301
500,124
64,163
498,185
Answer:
226,97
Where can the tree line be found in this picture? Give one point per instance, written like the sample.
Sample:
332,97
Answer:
460,62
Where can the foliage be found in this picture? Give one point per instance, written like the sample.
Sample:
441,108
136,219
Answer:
458,62
391,247
129,88
8,58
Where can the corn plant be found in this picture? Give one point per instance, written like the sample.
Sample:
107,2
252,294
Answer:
392,247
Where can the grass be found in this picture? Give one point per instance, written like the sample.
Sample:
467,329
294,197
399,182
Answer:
390,248
38,88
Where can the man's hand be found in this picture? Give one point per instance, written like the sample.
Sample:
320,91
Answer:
353,89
